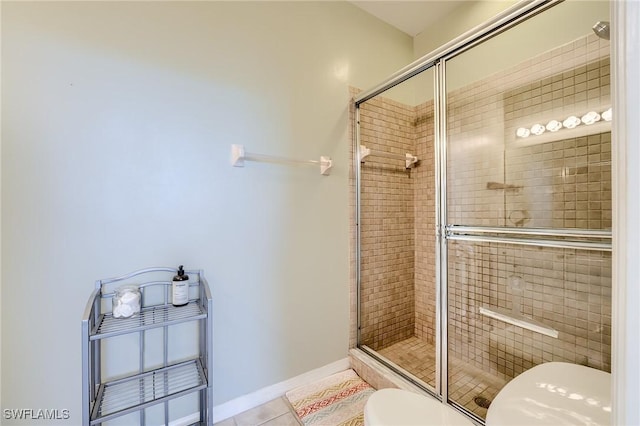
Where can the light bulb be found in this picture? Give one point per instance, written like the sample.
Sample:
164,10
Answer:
523,132
571,122
537,129
590,117
607,115
554,126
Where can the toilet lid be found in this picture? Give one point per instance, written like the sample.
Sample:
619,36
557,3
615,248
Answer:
554,393
396,407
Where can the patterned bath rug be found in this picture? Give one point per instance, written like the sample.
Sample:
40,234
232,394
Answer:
337,400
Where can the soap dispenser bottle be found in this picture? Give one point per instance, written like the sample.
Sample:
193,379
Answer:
180,288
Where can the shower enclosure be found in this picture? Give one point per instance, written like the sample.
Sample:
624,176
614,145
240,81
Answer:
483,205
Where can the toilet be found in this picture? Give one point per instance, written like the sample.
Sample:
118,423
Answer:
397,407
554,393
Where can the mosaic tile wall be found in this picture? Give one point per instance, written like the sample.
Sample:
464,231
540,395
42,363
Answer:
565,183
388,190
484,154
387,225
497,180
425,225
566,290
572,184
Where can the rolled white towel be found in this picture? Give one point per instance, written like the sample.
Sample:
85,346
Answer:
126,302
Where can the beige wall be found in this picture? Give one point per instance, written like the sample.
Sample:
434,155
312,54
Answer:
466,16
117,125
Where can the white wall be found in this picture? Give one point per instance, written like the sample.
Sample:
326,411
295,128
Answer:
0,216
625,62
117,126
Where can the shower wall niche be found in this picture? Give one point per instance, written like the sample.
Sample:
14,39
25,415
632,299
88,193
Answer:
537,209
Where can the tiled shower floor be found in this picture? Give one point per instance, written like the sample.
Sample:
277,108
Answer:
465,381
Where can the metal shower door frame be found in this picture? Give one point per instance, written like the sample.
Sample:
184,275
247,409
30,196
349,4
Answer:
444,232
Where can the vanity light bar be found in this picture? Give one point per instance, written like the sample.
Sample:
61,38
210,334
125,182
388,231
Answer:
570,122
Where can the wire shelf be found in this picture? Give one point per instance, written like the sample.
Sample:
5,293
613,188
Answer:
105,400
150,317
119,397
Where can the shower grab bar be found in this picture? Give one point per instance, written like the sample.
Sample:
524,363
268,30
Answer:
518,320
409,159
556,232
580,245
239,156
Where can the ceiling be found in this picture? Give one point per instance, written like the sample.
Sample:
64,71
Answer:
410,17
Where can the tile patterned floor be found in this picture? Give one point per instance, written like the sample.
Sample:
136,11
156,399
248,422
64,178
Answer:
414,355
465,381
273,413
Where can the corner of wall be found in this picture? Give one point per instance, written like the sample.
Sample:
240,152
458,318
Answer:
626,130
1,218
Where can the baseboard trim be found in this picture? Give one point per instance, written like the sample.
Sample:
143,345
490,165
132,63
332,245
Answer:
259,397
186,420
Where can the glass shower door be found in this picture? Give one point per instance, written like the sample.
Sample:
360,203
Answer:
397,241
528,203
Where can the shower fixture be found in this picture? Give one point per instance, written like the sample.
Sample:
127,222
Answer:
601,28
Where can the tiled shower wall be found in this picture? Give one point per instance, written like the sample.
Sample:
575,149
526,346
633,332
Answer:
494,180
387,225
425,224
564,183
565,289
398,251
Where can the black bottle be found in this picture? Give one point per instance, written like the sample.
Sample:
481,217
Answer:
180,288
